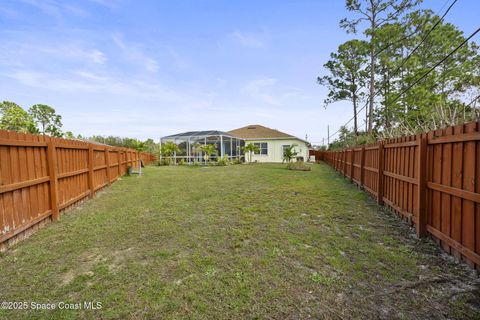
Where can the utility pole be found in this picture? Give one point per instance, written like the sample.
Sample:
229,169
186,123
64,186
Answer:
328,137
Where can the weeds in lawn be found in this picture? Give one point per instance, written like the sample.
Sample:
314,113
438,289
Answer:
211,271
234,242
299,166
322,279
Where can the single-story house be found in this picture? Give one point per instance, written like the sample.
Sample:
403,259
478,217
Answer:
271,143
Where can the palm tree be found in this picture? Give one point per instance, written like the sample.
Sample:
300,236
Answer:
208,149
169,149
289,153
251,149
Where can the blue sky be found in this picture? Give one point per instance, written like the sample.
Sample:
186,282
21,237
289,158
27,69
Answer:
152,68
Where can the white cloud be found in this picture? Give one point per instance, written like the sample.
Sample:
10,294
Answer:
268,90
97,56
221,82
9,13
47,7
178,61
112,4
258,89
76,51
133,53
56,9
82,81
249,40
26,51
45,81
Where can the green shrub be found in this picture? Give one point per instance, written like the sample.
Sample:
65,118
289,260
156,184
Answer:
223,161
299,166
289,153
164,162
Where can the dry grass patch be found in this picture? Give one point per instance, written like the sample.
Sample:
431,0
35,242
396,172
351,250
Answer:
238,242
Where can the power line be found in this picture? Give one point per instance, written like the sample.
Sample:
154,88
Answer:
411,34
416,81
436,65
424,38
404,61
471,102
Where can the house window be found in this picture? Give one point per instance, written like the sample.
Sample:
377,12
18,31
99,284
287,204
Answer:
263,148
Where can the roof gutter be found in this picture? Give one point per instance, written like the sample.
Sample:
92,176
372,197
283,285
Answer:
284,138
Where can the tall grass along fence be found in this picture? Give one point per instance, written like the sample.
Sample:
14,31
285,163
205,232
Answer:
432,180
40,177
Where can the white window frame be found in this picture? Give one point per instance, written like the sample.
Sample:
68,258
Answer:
259,144
283,148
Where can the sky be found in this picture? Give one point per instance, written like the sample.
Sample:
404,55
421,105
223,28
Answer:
147,69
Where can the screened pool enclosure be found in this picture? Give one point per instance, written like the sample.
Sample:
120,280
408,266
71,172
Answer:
190,146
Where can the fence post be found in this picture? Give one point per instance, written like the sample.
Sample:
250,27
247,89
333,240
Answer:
362,164
339,161
380,174
52,171
421,225
119,165
107,163
344,162
352,162
90,170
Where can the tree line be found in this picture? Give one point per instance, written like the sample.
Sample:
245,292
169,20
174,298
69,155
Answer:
388,71
43,119
143,146
39,119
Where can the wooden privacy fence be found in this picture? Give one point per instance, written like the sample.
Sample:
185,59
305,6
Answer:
41,176
432,180
316,153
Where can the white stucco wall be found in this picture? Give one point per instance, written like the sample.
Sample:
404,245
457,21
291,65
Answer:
275,150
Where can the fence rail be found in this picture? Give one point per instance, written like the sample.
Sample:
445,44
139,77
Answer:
432,180
42,176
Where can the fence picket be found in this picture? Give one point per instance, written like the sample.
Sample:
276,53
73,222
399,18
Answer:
421,223
91,185
52,171
380,173
433,178
40,176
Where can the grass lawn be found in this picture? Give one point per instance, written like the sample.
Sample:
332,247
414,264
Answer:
238,242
